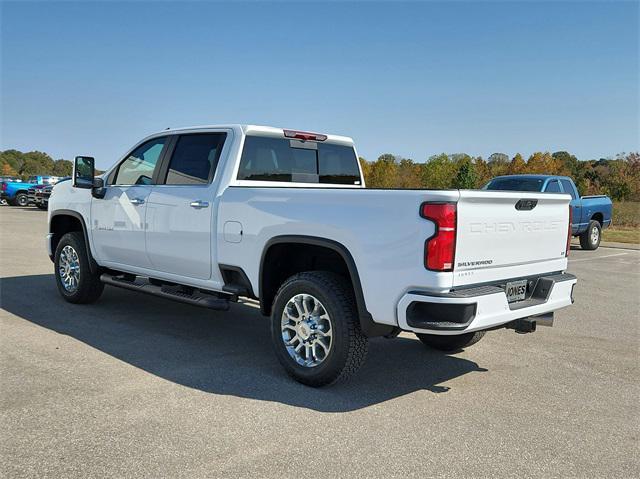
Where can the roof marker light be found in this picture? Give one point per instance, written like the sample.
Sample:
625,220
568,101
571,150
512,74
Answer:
304,135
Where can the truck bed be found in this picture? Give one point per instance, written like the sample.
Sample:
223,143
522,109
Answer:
385,234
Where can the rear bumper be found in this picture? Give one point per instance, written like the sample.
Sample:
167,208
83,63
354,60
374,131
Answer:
479,308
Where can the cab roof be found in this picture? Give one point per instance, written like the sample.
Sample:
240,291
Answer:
532,176
257,130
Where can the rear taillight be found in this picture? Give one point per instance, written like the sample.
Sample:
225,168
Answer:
3,186
569,232
304,135
440,249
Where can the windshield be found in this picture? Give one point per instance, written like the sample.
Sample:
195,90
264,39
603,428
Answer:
515,184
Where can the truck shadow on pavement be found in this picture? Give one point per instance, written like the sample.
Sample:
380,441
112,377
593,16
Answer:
222,352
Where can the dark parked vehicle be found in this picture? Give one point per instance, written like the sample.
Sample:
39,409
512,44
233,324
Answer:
42,195
590,214
32,193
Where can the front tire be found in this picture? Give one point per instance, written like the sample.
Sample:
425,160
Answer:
76,283
21,199
450,344
315,329
590,239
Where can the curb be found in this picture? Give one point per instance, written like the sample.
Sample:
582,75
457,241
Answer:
631,246
613,245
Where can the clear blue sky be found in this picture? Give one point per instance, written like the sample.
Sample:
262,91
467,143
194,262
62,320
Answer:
414,79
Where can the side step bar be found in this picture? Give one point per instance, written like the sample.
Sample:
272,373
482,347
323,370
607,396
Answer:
182,294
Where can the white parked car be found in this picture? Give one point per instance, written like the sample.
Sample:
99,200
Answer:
205,215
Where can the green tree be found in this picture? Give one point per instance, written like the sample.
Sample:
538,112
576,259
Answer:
466,177
438,172
62,168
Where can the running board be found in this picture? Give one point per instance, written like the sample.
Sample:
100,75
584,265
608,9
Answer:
182,294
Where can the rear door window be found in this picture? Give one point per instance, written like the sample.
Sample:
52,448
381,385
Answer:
553,187
568,188
285,160
195,159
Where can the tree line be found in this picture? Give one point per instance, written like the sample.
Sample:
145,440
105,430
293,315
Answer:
22,165
618,177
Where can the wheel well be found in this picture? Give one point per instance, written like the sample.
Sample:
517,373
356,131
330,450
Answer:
598,217
283,260
26,192
61,225
285,256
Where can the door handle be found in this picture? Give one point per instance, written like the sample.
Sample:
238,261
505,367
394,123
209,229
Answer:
199,204
137,201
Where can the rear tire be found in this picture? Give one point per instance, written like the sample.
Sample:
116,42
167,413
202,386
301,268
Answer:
76,283
450,344
590,239
320,308
42,206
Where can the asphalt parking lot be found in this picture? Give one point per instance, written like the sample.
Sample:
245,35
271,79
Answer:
135,386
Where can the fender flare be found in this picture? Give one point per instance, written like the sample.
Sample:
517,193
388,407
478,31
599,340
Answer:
93,265
368,326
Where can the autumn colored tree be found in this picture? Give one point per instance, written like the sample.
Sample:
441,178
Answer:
7,170
517,165
409,174
541,163
383,173
483,172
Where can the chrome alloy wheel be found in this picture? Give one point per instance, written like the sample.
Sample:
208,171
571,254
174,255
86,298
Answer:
595,235
306,330
69,269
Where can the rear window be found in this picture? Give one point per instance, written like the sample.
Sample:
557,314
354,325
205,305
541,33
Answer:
515,184
280,159
195,159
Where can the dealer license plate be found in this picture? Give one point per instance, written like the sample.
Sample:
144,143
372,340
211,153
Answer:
516,290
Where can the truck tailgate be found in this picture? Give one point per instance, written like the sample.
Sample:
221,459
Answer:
503,235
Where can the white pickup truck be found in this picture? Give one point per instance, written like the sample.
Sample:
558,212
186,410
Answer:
206,215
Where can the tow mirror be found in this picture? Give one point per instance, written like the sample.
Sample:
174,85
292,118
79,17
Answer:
83,172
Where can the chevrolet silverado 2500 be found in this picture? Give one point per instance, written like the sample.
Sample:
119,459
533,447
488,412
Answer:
205,215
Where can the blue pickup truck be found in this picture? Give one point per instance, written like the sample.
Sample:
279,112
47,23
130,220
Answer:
16,193
590,214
